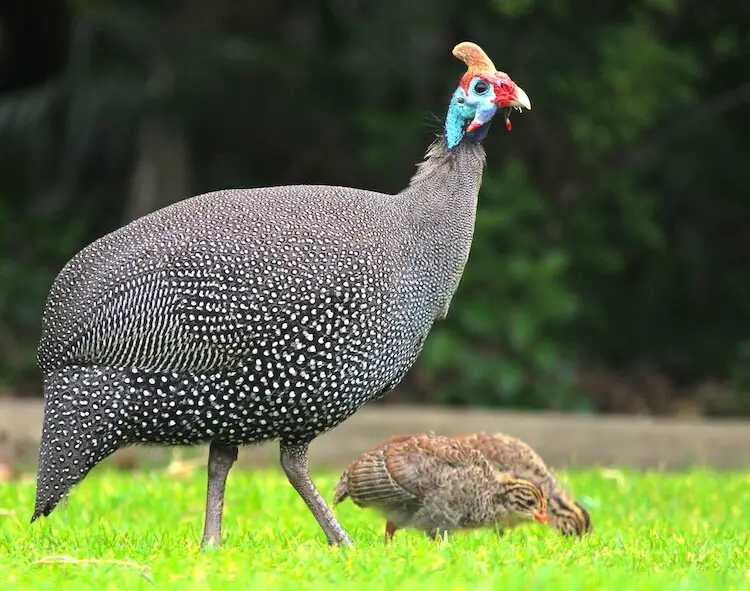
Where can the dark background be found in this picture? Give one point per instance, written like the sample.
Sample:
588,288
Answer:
610,267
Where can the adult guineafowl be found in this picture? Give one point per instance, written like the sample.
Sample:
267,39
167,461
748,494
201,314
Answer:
241,316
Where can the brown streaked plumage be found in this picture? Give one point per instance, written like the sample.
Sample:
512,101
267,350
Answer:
435,484
510,454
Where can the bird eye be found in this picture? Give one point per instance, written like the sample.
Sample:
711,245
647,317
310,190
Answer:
530,503
481,87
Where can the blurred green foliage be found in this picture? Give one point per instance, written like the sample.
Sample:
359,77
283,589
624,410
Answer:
612,226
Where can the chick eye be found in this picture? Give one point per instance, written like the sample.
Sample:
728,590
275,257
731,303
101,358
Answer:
481,87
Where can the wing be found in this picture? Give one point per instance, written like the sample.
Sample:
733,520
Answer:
213,280
370,483
419,464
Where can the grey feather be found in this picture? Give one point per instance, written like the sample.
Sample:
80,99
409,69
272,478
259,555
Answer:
245,315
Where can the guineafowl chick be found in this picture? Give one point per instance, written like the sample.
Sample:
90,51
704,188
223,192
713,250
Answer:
507,453
436,484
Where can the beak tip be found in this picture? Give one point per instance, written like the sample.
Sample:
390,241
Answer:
523,99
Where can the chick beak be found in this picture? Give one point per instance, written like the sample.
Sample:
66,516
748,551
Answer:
540,516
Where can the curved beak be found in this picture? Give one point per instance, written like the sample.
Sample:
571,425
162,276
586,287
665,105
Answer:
521,99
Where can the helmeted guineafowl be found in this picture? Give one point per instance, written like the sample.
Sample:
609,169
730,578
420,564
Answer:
245,315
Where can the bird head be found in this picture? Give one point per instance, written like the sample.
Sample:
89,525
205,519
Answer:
569,517
519,499
482,91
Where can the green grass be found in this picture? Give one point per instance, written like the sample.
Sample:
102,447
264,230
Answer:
652,531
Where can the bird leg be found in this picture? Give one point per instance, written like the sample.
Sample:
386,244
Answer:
390,529
438,535
220,460
295,465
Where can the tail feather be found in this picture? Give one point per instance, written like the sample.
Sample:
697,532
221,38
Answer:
75,435
342,490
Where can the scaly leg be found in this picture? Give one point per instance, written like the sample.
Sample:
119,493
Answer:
220,460
295,465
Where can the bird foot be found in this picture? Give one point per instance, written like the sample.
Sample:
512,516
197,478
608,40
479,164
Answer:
210,543
345,542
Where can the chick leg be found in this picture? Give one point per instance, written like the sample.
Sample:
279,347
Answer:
390,529
438,535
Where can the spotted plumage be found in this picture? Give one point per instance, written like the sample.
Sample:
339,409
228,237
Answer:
509,453
436,484
241,316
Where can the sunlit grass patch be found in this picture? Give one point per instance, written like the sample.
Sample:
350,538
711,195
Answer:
141,530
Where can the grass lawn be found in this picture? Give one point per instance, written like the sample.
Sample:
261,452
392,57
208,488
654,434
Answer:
651,531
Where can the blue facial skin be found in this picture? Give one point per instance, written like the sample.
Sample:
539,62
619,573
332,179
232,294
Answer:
465,108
